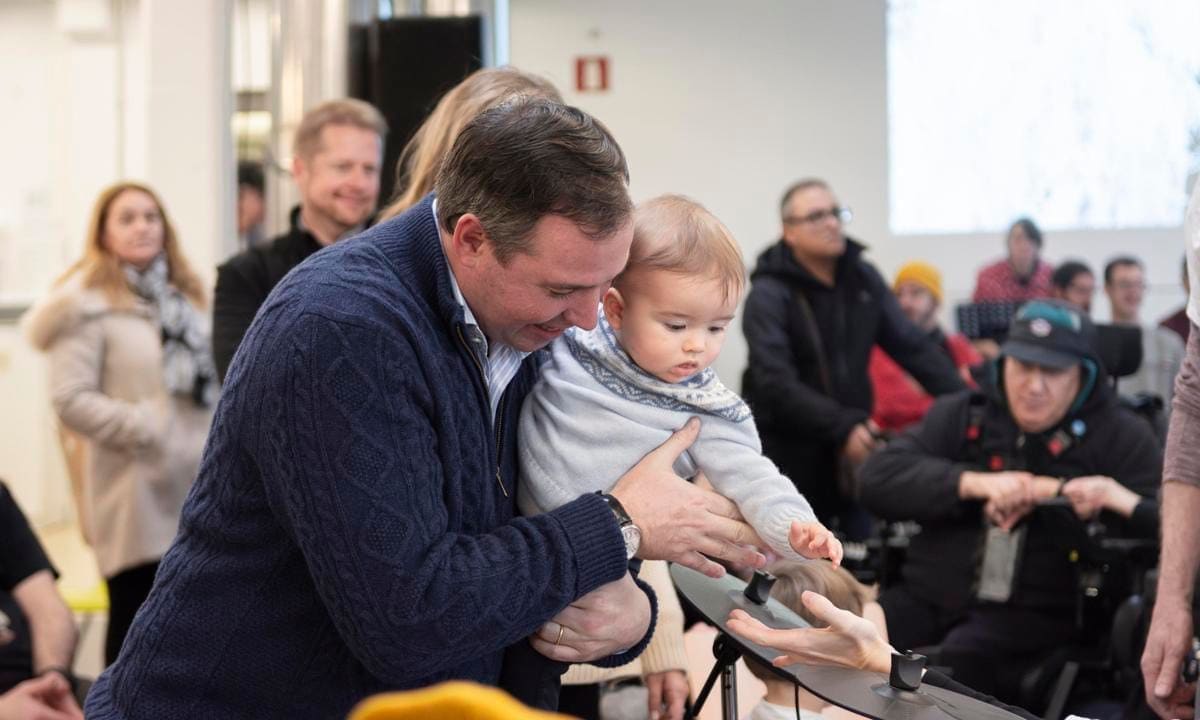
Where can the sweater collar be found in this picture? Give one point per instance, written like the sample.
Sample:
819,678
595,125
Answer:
412,245
600,353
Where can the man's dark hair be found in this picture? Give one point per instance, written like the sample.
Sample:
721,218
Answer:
1122,261
1068,271
1030,228
523,160
796,187
250,175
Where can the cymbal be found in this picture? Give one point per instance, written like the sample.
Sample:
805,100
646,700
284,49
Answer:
860,691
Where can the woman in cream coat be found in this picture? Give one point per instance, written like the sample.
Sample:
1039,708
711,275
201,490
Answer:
133,385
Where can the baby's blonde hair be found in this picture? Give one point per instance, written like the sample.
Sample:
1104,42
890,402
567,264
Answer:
677,234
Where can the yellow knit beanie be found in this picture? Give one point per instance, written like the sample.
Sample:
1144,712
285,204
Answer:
923,274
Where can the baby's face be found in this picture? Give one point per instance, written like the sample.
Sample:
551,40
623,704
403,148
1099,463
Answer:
673,325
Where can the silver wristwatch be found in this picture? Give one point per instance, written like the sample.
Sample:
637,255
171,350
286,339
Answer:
630,533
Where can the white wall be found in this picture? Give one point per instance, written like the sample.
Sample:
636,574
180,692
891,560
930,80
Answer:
95,92
730,102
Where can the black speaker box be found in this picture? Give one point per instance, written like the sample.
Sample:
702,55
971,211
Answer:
403,66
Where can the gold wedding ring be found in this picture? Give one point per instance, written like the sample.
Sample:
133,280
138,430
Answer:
558,639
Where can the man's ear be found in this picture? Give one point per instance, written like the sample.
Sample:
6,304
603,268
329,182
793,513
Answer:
469,241
614,307
299,169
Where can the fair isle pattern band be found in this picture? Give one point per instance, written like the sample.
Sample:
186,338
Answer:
599,354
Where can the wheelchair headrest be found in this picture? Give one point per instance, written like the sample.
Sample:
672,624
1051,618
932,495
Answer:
1120,348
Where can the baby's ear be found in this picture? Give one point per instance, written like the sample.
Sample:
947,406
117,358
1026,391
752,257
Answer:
614,307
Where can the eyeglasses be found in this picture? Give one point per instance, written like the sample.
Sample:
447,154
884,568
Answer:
841,214
1129,285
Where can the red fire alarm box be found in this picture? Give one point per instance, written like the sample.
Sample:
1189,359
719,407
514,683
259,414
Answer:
591,73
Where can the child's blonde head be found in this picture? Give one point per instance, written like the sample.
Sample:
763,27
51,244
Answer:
677,234
835,583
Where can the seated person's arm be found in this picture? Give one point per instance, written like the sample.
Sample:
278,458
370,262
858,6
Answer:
51,624
26,573
1089,496
1127,486
918,475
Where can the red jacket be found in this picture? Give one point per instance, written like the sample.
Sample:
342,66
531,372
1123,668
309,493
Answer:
899,400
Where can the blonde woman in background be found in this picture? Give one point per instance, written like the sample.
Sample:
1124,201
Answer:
418,163
133,385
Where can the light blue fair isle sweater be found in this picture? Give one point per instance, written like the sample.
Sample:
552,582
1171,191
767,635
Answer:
594,414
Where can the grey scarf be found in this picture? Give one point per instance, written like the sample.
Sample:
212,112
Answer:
188,367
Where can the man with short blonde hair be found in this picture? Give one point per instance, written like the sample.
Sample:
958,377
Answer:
345,111
338,151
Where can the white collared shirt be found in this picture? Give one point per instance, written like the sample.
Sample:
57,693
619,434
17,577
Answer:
500,362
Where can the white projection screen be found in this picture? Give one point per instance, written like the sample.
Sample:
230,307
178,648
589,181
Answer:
1083,115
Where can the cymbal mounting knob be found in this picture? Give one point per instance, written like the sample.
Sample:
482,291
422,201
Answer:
759,587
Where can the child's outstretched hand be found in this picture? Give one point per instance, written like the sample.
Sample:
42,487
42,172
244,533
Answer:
813,540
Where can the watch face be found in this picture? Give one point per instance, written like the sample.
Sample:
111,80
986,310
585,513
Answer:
633,539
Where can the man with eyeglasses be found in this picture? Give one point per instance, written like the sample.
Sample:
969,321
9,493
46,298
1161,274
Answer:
1162,350
815,309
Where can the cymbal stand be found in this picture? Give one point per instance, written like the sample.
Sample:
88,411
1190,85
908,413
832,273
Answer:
727,654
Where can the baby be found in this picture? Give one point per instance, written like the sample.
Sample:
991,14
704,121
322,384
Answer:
609,396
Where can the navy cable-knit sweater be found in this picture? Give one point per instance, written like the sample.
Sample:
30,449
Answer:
352,528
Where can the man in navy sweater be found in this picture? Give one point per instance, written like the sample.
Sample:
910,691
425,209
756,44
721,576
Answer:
352,528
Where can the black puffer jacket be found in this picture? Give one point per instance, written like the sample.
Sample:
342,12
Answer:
805,407
245,280
916,478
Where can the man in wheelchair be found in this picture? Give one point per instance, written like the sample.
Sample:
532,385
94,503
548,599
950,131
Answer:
1002,483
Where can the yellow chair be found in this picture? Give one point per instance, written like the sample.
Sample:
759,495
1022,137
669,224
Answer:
454,700
87,604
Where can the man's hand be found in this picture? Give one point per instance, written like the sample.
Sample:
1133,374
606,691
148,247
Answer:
1007,496
1089,495
861,442
988,348
848,641
608,620
679,521
813,540
668,692
47,697
1167,645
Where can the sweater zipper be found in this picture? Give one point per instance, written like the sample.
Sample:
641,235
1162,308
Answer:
499,440
488,408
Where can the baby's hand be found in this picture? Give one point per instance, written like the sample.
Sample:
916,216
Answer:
814,540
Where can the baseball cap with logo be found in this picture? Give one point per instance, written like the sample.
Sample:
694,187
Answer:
1051,334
